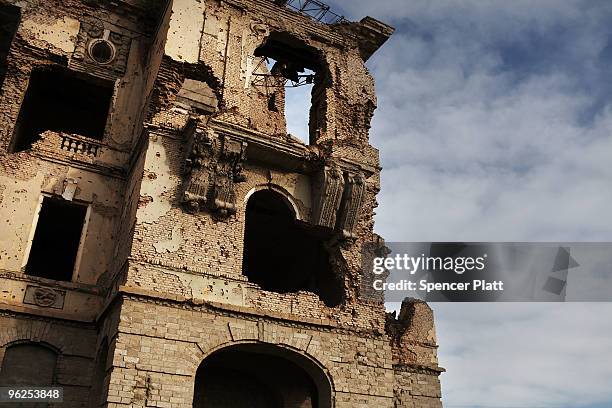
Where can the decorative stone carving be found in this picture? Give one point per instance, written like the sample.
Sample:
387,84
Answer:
229,171
44,297
354,192
338,198
213,167
100,47
328,193
199,168
259,28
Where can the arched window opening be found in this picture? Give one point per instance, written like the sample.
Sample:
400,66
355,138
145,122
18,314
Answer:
282,255
260,376
28,364
293,77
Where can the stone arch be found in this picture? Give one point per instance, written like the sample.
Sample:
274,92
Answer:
178,76
17,363
313,357
45,344
294,56
33,332
249,361
286,196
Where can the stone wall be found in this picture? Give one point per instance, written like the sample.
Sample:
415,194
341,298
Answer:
55,36
160,345
194,132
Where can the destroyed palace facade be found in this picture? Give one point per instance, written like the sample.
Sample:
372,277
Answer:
165,242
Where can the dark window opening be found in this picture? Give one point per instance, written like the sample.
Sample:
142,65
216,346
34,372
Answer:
28,364
60,100
283,256
9,22
293,83
56,240
258,377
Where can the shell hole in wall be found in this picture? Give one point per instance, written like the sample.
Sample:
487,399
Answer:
292,79
284,256
61,100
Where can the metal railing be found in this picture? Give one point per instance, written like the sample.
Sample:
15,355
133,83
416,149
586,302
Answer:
316,10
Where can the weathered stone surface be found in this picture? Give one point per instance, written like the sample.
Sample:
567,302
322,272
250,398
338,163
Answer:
196,129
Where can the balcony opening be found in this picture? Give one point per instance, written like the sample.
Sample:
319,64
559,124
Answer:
27,364
293,79
57,239
284,256
61,100
9,22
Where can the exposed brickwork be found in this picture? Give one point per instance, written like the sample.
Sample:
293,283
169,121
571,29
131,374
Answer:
192,135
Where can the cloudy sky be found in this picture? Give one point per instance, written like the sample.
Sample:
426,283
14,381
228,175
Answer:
494,124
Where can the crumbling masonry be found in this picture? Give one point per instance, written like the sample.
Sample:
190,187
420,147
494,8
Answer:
164,241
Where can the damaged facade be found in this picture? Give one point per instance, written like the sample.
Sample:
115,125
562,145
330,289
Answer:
164,241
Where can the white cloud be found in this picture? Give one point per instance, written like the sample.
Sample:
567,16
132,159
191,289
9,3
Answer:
481,138
525,355
495,124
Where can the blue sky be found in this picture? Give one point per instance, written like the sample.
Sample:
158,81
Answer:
494,124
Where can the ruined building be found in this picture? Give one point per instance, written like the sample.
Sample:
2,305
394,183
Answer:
164,242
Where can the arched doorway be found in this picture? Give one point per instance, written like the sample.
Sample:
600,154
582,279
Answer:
29,364
260,376
284,255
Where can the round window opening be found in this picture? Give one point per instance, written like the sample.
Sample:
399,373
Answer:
102,51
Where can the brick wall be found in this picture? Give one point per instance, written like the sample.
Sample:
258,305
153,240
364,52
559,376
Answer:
162,345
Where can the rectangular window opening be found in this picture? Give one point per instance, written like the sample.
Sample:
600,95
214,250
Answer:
60,100
9,22
57,239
